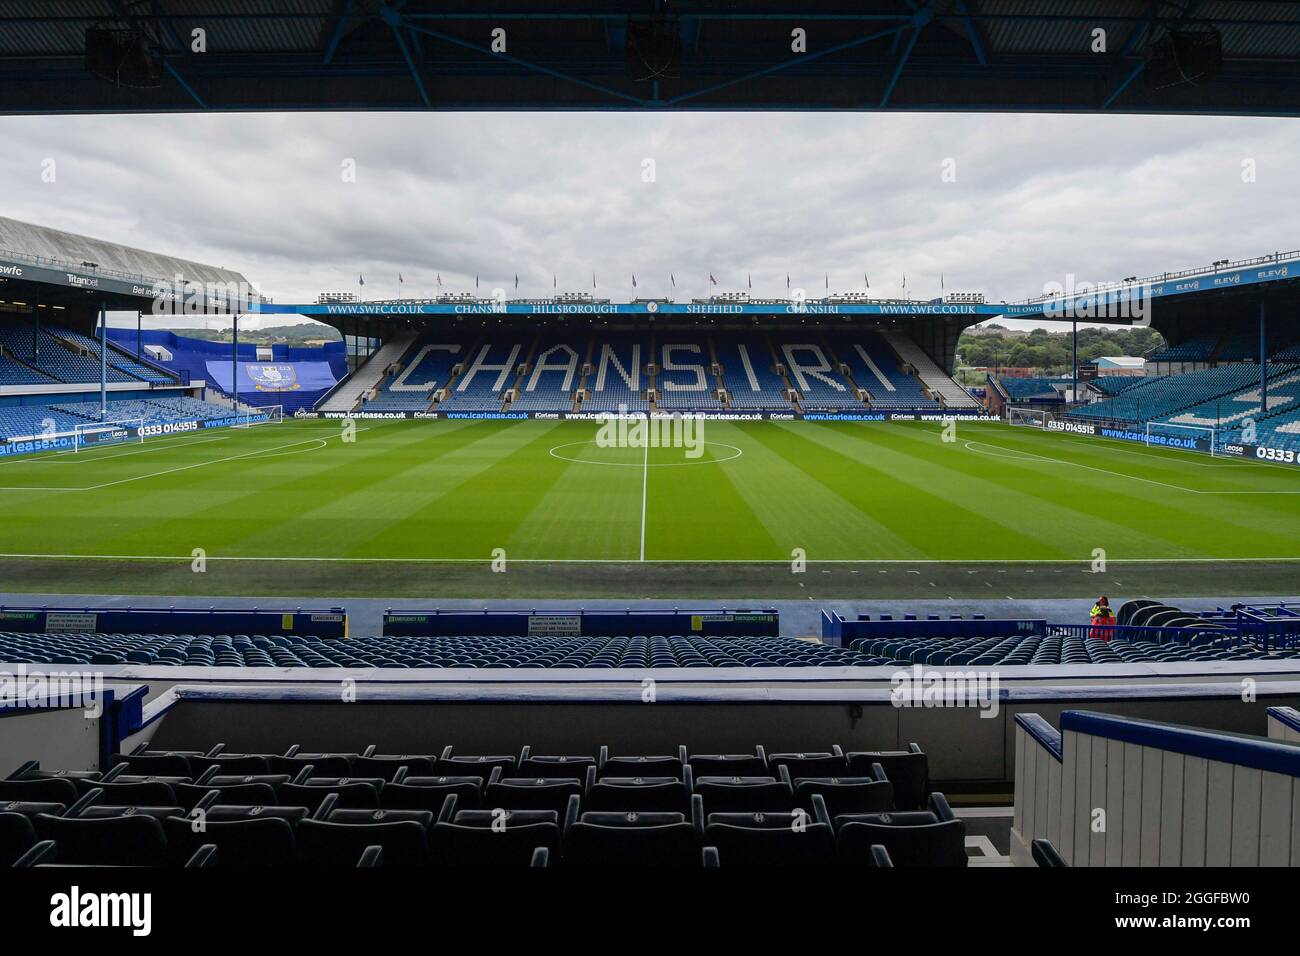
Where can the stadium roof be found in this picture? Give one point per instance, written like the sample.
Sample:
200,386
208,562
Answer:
1156,56
64,265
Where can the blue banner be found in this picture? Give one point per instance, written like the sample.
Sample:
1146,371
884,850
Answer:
270,377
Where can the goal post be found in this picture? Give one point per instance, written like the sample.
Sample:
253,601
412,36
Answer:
1187,437
264,415
94,434
1034,417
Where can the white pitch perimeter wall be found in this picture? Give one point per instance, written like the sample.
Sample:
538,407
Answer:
1188,798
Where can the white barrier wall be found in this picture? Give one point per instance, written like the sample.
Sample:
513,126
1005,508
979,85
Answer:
1113,791
1284,724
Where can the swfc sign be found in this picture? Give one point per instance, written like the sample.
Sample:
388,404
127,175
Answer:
271,378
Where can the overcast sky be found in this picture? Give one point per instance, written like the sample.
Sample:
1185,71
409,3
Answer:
541,195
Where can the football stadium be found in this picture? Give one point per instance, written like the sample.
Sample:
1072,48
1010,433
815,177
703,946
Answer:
685,575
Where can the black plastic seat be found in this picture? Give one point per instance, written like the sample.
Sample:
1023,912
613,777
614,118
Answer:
770,840
323,765
29,808
540,793
17,836
631,839
111,841
933,837
492,838
340,840
642,766
102,810
554,768
188,795
846,794
138,793
353,794
833,764
232,764
908,770
744,794
449,765
155,765
233,812
385,767
40,790
1045,854
640,794
730,765
259,841
428,793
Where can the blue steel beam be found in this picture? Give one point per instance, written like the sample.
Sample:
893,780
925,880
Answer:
786,64
393,17
973,32
340,27
919,20
527,65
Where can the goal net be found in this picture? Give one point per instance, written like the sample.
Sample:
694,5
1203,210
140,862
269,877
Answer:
1188,437
267,415
95,434
1035,417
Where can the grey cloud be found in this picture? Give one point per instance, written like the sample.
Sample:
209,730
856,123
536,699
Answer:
541,194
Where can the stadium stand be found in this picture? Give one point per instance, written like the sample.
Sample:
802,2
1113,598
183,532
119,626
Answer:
553,376
748,375
1168,395
685,381
488,373
1112,385
1199,349
875,366
1233,410
441,808
1238,347
1033,389
940,384
496,652
56,358
1176,636
345,396
618,378
13,372
426,367
116,358
821,388
32,420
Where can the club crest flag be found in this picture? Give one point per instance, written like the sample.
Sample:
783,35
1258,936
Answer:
267,377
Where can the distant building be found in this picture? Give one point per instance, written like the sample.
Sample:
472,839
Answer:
1121,365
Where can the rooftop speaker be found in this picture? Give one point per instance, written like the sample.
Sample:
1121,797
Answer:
123,57
654,48
1185,56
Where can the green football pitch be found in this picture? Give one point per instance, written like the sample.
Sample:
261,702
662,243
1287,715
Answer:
423,507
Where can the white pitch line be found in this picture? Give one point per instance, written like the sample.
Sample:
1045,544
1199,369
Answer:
645,480
71,458
1081,562
169,471
1074,464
